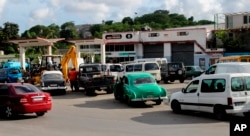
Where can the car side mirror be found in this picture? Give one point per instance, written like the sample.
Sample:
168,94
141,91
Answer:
183,90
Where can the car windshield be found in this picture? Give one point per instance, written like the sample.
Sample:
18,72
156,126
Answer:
93,68
174,66
144,80
115,68
14,71
27,88
52,76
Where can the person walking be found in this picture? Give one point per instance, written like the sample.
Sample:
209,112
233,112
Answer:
73,79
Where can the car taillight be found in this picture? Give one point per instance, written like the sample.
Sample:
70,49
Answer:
23,100
49,98
229,101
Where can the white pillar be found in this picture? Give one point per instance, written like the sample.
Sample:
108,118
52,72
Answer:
78,53
49,49
22,56
103,53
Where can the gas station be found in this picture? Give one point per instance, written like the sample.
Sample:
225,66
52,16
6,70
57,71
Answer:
24,43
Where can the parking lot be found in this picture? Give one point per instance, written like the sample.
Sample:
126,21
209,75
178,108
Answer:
76,114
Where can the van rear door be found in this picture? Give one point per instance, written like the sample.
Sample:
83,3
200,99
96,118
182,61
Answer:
240,87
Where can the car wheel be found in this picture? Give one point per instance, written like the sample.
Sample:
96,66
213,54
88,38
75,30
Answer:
158,102
246,114
63,92
110,90
219,113
8,112
128,101
182,80
165,81
40,113
175,106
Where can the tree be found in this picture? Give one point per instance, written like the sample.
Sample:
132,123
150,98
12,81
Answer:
128,20
68,31
11,30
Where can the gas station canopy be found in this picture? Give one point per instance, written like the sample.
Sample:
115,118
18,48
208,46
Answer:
35,42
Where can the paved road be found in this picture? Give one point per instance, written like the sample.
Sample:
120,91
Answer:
76,114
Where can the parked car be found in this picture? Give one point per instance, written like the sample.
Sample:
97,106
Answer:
173,71
112,69
23,98
10,75
53,82
151,67
228,67
93,78
220,94
139,86
193,71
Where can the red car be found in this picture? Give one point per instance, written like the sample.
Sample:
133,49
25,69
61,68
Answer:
23,98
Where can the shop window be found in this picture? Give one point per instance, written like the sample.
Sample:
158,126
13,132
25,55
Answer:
182,33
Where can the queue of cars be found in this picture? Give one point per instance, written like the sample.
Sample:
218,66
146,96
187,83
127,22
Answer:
222,89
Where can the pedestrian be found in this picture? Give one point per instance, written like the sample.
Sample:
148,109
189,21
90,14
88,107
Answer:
73,79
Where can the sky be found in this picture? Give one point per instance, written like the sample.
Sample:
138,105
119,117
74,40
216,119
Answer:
28,13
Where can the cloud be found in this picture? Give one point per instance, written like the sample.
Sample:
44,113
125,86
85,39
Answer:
2,5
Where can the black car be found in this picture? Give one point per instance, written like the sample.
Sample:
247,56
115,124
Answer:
53,82
173,71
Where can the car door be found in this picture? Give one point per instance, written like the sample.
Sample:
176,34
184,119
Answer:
4,95
189,99
247,92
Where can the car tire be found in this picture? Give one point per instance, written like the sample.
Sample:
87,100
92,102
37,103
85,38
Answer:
219,113
63,92
246,114
40,113
165,81
8,112
182,80
128,101
175,106
158,102
110,90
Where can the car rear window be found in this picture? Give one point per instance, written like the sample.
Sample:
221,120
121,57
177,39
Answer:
22,89
240,84
52,76
174,66
151,66
144,80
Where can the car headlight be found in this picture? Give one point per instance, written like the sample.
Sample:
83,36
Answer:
180,72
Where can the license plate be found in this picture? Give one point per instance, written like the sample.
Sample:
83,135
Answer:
150,96
172,72
103,88
37,98
53,85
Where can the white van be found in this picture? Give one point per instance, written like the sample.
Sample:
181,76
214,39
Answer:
229,67
150,67
221,94
158,60
112,69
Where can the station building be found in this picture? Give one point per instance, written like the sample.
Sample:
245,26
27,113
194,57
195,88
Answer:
186,44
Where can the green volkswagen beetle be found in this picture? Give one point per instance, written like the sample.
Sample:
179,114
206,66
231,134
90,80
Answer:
139,86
